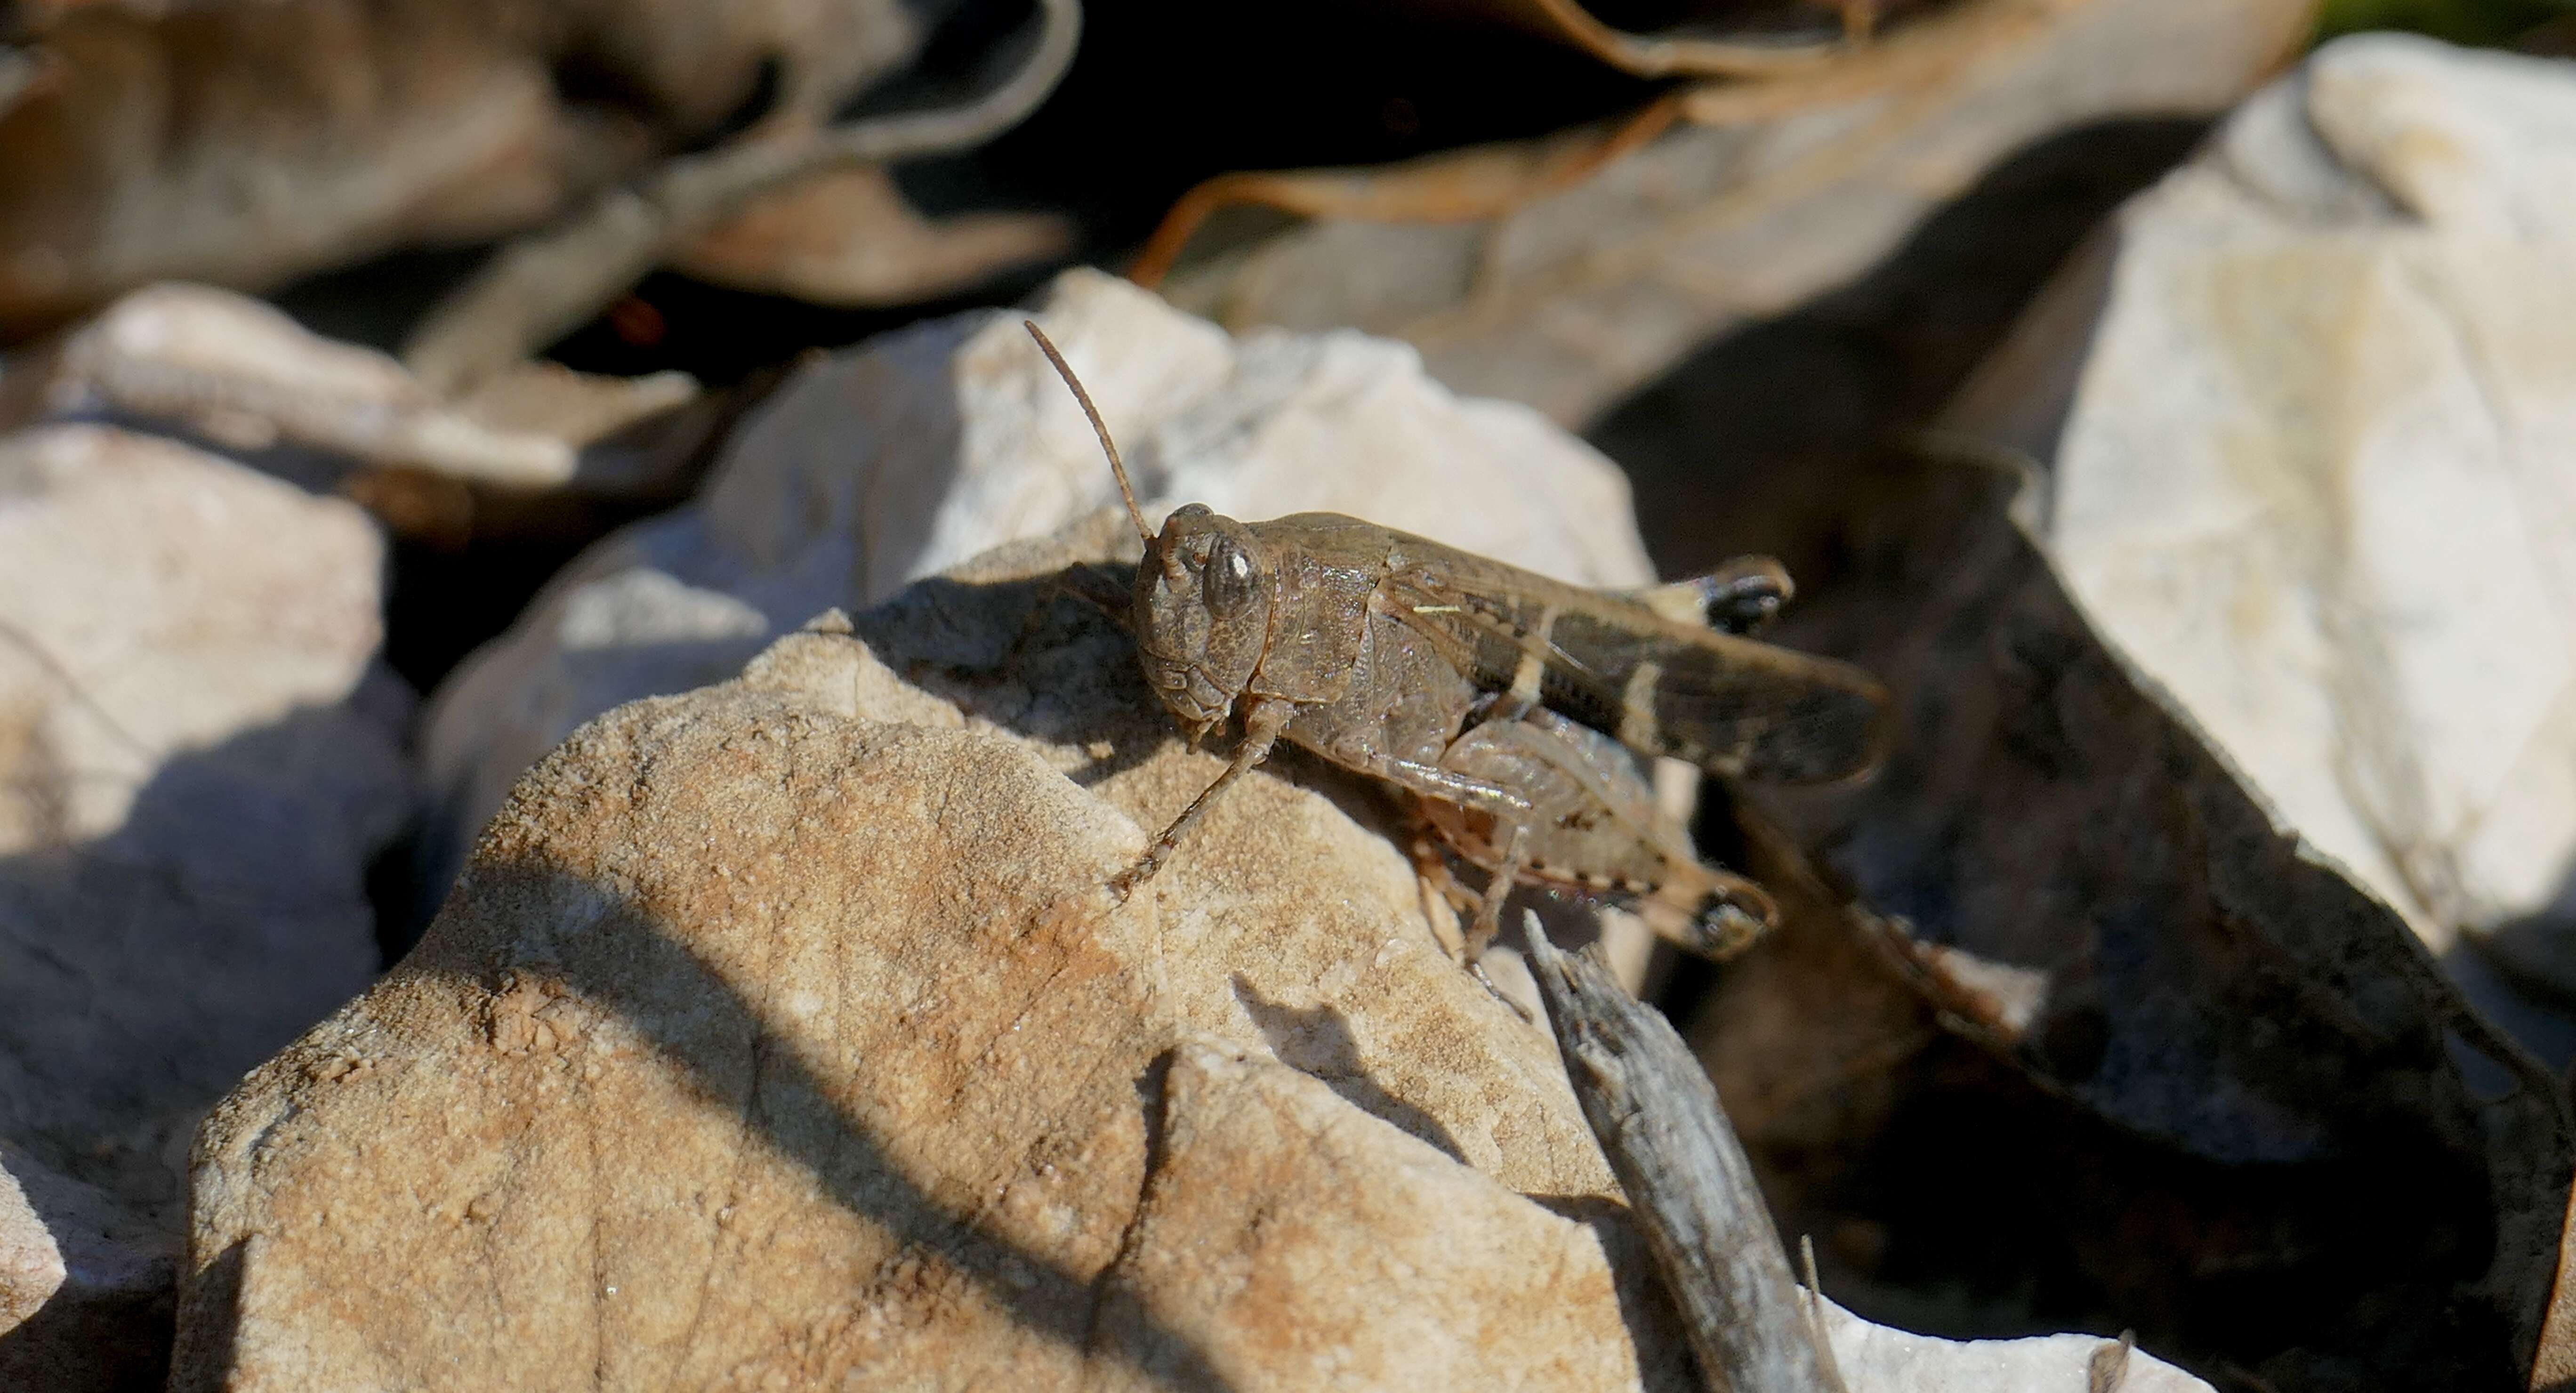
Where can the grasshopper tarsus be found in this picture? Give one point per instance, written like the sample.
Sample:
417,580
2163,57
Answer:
1477,971
1730,914
1738,597
1745,594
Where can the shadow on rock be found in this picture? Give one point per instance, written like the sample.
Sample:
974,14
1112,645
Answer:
141,973
747,1080
1317,1040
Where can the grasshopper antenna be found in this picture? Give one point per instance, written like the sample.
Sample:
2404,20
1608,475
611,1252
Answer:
1098,427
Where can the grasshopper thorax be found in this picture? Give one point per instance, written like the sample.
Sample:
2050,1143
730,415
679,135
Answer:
1203,602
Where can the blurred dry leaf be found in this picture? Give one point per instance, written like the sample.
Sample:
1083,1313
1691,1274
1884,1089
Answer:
2276,1127
1484,181
250,141
546,283
1776,188
1489,181
847,237
1671,55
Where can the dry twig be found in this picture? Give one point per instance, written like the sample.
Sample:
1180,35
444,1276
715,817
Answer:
1687,1178
545,284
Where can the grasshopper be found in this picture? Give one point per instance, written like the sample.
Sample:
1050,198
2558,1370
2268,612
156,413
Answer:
1495,696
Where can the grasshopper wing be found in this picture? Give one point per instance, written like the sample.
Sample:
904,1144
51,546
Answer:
1731,705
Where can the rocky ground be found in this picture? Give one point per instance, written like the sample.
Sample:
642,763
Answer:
522,872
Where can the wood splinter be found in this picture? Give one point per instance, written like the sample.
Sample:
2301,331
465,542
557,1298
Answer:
1687,1179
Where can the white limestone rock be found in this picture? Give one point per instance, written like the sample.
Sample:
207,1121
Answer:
199,757
1880,1359
2317,471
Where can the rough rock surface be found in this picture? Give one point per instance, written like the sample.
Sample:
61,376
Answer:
197,764
895,461
2317,471
780,1034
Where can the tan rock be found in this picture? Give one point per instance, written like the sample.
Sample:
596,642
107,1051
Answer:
31,1265
87,1282
197,762
1303,1244
780,1035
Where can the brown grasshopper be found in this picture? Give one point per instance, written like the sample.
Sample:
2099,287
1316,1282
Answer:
1490,693
1599,830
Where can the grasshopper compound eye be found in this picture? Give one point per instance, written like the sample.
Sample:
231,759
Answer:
1231,580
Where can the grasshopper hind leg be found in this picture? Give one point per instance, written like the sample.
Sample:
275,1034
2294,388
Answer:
1498,888
1716,915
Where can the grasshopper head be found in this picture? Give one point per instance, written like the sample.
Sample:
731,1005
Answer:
1202,614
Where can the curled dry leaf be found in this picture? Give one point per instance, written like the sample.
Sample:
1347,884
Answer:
1770,190
1666,55
248,143
1770,81
1469,185
548,282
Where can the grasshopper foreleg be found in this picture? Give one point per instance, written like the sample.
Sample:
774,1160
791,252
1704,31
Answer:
1262,722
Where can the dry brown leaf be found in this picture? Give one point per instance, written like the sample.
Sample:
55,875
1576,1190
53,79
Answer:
250,141
848,237
1572,298
548,282
1912,58
1662,55
1489,181
1467,185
